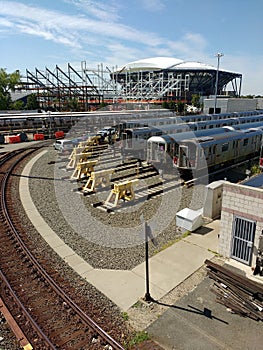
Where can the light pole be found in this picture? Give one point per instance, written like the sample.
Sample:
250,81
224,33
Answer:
147,235
218,55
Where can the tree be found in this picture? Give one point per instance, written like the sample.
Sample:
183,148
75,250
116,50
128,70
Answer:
32,102
8,82
72,104
196,100
171,105
165,105
180,107
5,101
18,105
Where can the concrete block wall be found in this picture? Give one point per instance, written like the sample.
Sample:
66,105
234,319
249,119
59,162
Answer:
228,105
243,201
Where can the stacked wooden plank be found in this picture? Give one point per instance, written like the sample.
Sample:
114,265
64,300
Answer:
238,293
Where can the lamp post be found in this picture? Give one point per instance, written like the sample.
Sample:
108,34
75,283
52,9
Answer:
218,55
147,235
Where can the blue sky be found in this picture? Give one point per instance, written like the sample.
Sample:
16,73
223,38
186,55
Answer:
46,33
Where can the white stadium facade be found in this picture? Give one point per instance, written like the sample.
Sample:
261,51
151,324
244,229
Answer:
166,78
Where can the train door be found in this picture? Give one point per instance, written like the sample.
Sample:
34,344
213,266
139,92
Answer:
127,139
190,155
235,149
155,151
183,156
210,155
124,139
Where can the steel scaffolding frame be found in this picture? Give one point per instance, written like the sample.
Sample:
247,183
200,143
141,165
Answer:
55,89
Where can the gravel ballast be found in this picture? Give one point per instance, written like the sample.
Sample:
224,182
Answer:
101,232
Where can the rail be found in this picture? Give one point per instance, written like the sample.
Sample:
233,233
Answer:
39,269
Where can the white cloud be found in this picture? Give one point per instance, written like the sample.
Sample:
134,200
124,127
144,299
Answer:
5,23
58,26
96,36
153,5
103,10
96,32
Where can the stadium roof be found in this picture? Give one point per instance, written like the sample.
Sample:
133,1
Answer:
164,63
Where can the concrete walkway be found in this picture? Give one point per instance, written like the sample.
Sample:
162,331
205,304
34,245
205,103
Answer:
167,268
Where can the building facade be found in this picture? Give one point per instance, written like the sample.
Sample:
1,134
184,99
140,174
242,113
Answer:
241,223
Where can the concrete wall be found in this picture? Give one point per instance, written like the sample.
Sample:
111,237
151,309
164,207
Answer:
243,201
228,105
259,103
241,104
210,103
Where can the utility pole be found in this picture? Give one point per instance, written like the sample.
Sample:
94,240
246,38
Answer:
218,55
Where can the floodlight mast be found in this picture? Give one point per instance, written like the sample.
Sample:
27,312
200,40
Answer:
218,55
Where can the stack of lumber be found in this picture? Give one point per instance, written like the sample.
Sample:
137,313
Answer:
238,293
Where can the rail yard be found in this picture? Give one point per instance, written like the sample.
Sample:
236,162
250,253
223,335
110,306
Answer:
95,197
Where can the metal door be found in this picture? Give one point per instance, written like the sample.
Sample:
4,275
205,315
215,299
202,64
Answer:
183,156
243,234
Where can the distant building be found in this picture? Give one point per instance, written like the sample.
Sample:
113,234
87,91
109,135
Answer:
166,78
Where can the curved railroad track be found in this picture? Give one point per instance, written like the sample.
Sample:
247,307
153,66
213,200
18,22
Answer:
45,313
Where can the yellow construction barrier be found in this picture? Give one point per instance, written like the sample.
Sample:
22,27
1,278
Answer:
83,169
79,158
73,157
122,190
98,178
91,141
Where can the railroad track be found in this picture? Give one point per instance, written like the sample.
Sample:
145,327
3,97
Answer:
144,191
46,316
224,171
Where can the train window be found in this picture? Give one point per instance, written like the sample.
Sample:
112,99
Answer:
245,142
224,147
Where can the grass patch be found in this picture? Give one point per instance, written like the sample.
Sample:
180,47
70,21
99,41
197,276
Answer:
139,338
170,243
125,316
215,253
255,169
137,305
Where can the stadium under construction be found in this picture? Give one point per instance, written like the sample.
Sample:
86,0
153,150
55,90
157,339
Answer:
152,80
